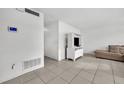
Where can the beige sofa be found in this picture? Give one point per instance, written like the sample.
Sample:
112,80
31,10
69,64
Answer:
114,52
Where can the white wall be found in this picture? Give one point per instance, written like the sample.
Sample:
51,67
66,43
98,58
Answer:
51,40
25,44
55,39
64,29
106,33
99,26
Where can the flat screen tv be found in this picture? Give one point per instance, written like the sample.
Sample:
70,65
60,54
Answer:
76,41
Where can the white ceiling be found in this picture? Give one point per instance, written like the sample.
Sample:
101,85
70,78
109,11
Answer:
83,18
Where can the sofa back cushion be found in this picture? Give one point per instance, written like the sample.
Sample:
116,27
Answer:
114,48
121,50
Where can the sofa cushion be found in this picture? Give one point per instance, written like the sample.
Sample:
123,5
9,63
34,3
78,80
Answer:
121,50
114,48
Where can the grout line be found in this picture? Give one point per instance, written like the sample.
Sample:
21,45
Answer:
28,80
25,82
53,78
75,76
40,78
58,75
53,73
95,74
79,73
113,73
64,80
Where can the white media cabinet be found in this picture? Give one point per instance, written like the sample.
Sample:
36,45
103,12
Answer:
73,52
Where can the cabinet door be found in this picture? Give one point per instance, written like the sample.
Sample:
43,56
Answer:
78,53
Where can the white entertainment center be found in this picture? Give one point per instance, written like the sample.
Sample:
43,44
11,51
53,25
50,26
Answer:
74,46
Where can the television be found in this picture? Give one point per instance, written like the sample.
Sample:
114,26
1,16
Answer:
76,42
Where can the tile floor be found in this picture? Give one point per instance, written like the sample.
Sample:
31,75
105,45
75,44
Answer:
85,70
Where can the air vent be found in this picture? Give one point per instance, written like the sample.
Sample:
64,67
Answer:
32,12
31,63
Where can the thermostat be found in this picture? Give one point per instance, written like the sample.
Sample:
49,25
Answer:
12,29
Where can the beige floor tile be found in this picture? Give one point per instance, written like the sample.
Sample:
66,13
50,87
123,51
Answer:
74,70
67,76
103,78
89,59
107,68
28,76
13,81
50,67
57,70
118,67
35,81
91,68
41,71
79,65
46,76
79,80
23,78
119,80
57,80
47,63
106,61
64,65
119,77
86,75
